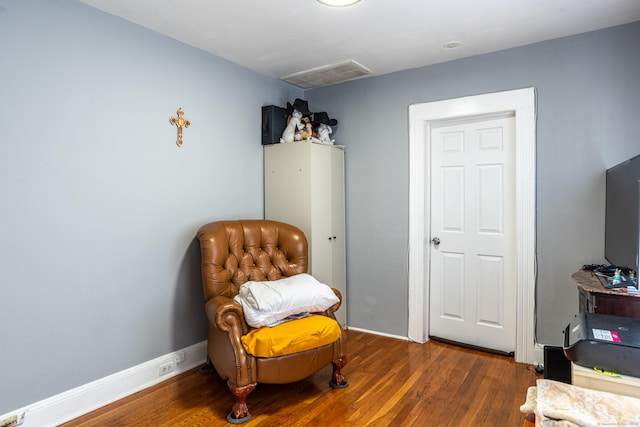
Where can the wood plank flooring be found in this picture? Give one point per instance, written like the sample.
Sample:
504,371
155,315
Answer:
392,383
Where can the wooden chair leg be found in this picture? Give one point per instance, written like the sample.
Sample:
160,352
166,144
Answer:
337,379
240,410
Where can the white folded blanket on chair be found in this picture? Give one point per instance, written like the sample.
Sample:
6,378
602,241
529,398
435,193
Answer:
266,303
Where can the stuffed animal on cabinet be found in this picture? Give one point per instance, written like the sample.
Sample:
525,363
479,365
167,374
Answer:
323,127
293,126
298,111
306,132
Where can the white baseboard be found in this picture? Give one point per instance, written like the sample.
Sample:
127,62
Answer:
537,354
367,331
81,400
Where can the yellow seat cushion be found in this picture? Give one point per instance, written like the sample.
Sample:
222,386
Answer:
292,337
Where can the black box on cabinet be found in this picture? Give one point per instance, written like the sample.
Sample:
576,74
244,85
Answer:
556,365
274,120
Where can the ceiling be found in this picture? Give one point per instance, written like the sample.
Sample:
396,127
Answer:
278,38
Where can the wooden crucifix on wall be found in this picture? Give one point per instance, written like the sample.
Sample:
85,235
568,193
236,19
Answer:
180,122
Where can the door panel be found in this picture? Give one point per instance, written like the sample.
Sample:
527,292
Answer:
490,285
472,270
453,198
452,297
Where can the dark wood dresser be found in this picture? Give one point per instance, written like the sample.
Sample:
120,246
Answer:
595,298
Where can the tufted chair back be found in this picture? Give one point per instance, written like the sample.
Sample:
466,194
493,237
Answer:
234,252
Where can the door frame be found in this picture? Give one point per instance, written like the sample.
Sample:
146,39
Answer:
521,103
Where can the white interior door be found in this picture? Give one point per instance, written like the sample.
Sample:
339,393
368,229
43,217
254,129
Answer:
472,216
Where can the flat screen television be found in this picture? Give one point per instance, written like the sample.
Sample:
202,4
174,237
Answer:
622,216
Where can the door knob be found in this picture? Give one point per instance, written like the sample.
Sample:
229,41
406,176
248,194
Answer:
436,241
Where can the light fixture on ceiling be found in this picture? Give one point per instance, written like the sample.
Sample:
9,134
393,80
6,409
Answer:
338,3
454,44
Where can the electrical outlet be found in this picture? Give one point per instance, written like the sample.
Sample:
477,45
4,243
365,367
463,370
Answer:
163,370
181,357
9,422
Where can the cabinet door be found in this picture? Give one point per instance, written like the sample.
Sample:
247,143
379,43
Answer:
328,235
321,232
338,263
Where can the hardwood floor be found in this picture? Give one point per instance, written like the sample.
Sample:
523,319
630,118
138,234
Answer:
392,383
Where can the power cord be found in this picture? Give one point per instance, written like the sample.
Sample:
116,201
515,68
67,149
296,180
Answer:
593,267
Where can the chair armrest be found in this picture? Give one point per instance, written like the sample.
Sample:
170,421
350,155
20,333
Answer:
227,326
335,306
226,315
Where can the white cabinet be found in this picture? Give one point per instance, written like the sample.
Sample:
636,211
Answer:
304,186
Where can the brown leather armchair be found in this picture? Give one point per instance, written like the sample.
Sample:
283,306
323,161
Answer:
234,252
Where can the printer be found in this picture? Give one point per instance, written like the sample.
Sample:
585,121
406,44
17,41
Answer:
611,343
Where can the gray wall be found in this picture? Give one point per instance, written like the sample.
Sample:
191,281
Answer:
588,99
99,270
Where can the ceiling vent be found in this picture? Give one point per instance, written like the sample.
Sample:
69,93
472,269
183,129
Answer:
327,75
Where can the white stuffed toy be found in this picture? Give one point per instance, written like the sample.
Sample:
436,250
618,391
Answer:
323,134
324,130
297,111
289,133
